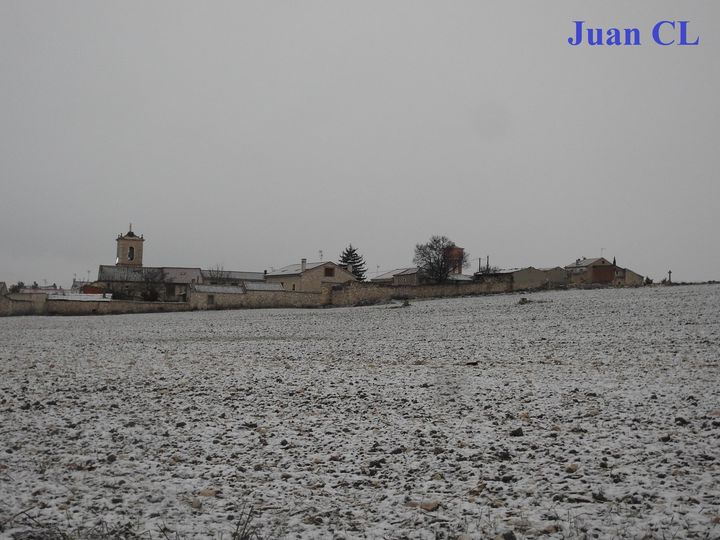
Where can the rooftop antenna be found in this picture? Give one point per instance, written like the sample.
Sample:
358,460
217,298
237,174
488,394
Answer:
601,252
321,255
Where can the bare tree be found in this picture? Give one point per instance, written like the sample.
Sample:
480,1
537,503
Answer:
436,259
217,274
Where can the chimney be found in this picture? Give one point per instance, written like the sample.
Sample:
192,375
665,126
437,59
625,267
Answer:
303,265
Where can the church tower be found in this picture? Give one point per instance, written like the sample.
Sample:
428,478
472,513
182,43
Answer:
129,249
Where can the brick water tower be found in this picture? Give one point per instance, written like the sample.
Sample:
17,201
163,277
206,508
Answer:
455,257
129,249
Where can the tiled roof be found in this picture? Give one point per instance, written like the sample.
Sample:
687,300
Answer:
174,274
387,276
232,275
588,262
408,271
256,286
107,272
81,297
508,270
218,289
150,274
295,269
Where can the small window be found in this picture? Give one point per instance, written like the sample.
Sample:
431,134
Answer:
211,299
131,253
293,288
329,272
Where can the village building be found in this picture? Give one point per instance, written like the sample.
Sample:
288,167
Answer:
600,271
310,276
591,271
555,277
167,283
129,249
217,276
129,279
410,276
624,277
387,278
518,279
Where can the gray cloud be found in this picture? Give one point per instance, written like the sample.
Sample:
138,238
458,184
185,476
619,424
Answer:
257,133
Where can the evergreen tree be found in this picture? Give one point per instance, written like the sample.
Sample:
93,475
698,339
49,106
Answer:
352,257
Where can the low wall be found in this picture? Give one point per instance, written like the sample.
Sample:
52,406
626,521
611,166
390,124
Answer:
110,307
354,294
22,304
350,294
257,299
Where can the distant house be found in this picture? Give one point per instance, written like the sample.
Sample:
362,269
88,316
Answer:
601,271
555,276
128,278
624,277
591,271
230,277
410,276
519,279
169,283
388,277
309,276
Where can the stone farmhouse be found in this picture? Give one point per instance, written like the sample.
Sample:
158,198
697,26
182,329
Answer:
310,277
600,271
521,279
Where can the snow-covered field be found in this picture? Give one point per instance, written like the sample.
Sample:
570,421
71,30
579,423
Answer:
579,413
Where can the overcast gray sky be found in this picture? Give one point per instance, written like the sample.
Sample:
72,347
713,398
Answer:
252,134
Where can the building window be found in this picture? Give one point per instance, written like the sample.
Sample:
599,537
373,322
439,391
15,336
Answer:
131,253
211,300
293,287
329,272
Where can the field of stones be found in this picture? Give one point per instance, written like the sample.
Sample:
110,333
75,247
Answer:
573,414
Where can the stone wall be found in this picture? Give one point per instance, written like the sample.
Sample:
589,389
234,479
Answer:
22,304
110,307
529,278
348,294
353,294
257,299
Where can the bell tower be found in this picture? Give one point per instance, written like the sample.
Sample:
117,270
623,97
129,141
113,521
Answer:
129,249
